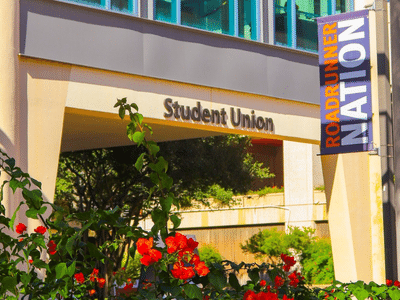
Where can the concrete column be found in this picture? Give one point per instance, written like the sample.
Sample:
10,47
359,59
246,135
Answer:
32,97
298,182
9,99
353,192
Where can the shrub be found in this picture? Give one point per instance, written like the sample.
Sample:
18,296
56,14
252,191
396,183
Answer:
209,254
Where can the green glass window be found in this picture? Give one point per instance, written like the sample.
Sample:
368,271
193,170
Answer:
90,2
296,26
211,15
281,22
122,5
164,10
247,16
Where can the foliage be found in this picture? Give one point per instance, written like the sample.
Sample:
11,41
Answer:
318,264
316,254
210,255
267,190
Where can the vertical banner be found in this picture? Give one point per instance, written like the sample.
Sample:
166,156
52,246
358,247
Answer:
345,83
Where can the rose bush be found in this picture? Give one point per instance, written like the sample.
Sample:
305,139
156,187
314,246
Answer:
59,261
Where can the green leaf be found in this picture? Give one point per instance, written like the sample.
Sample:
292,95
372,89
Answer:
94,251
218,281
254,275
9,283
394,294
37,183
15,184
70,243
166,204
61,270
11,223
38,263
33,213
139,162
137,137
176,221
121,112
25,278
153,148
10,162
192,291
360,293
135,106
233,281
71,269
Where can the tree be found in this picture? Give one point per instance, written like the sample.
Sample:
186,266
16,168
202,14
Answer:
107,178
315,254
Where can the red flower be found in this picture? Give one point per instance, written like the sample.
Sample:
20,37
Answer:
40,229
51,247
20,228
92,292
102,282
30,261
250,295
146,285
143,245
263,283
93,275
288,260
150,258
397,283
279,281
195,259
206,297
178,242
79,278
267,296
202,269
294,281
128,286
286,298
20,240
388,282
181,272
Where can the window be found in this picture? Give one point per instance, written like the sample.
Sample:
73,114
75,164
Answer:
296,24
125,6
211,15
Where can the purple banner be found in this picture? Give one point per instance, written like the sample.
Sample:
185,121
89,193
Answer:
345,81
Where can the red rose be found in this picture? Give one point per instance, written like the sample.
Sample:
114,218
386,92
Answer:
40,229
397,283
30,261
128,286
286,298
289,262
20,228
202,269
250,295
155,255
263,283
294,281
79,278
267,296
143,245
178,242
92,292
195,259
279,281
388,282
51,247
102,282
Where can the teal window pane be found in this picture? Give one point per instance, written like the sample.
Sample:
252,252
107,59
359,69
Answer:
246,18
163,10
281,28
90,2
211,15
343,6
122,5
306,23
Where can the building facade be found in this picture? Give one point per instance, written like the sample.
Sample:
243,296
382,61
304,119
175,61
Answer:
195,69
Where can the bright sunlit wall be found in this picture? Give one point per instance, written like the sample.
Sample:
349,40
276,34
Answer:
290,23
